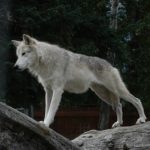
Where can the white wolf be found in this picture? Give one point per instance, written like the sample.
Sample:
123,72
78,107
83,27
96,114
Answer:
60,70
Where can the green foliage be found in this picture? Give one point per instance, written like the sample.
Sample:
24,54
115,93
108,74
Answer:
83,26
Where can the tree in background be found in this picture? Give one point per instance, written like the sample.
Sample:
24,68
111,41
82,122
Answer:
4,38
115,13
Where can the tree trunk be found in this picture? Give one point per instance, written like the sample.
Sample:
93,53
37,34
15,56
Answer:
114,11
104,116
135,137
20,132
105,109
4,35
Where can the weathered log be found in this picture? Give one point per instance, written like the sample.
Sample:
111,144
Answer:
135,137
20,132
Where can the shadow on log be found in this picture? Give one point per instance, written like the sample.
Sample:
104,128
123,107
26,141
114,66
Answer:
20,132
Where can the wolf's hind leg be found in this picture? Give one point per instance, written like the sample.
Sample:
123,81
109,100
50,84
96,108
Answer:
111,99
138,105
123,92
118,109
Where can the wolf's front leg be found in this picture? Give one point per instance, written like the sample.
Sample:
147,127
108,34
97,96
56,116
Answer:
48,97
56,98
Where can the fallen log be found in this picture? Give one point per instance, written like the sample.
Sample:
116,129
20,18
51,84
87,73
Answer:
20,132
135,137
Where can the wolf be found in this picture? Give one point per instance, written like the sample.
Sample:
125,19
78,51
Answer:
59,70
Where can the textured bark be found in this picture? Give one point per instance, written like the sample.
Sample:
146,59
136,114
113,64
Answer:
4,51
135,137
104,116
114,11
20,132
105,109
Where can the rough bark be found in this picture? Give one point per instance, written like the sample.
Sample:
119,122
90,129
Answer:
135,137
114,11
20,132
105,109
104,116
4,38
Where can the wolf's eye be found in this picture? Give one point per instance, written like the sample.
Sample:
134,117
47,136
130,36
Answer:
23,54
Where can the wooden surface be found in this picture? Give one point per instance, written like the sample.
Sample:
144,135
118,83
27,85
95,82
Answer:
135,137
20,132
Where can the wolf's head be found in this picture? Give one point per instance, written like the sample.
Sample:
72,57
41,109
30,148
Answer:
26,52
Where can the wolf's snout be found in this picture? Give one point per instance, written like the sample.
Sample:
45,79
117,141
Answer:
16,67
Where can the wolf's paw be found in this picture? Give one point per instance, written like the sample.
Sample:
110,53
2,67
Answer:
41,122
43,127
116,124
140,120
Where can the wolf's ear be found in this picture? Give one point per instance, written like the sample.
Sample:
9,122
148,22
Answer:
15,43
28,39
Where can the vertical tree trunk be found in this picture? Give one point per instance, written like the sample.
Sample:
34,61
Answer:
4,7
114,11
104,116
105,109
